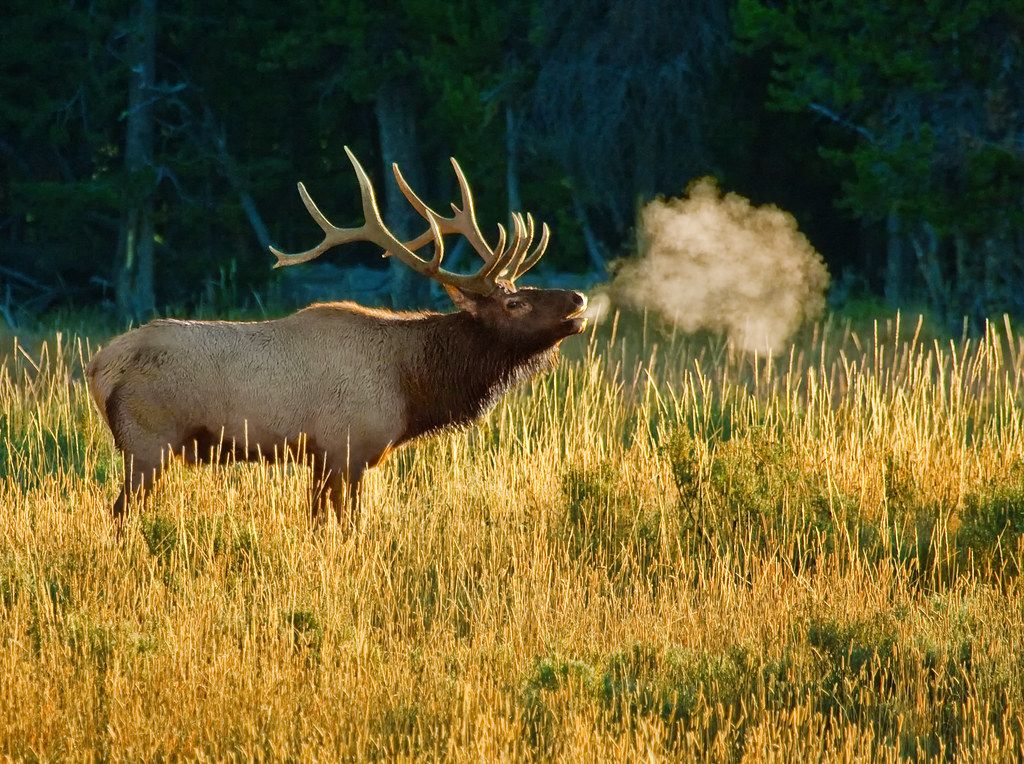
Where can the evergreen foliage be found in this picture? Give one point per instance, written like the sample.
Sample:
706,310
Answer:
893,131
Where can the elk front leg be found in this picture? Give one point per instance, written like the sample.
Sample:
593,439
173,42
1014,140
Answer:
320,488
348,497
139,477
338,487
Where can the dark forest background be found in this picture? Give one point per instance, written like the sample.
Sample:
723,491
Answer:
149,150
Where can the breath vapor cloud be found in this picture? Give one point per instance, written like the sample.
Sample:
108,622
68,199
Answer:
722,264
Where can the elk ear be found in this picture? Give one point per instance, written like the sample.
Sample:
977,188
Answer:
463,300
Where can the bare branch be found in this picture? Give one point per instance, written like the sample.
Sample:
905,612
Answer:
830,115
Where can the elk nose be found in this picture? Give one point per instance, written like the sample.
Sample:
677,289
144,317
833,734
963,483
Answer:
579,299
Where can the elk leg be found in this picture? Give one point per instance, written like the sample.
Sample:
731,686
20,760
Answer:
324,483
339,488
347,495
332,488
141,455
139,478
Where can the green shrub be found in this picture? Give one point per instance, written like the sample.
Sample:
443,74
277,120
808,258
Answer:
604,525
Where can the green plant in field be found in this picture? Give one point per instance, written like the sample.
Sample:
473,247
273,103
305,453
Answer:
672,682
11,584
751,494
161,535
992,524
554,672
604,526
859,649
684,455
92,644
194,544
306,631
553,681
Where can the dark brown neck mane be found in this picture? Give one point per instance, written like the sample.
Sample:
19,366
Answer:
461,371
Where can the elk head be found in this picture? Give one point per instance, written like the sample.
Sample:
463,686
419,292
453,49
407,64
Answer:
527,318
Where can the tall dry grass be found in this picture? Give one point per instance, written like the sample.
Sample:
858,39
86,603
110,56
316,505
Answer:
663,549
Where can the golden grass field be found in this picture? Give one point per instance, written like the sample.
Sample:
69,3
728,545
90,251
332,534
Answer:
661,550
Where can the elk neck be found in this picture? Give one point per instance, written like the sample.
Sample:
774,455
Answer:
460,369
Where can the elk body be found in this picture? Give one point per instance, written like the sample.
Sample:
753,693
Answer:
336,384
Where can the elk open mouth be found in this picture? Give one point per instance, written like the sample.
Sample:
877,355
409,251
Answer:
576,321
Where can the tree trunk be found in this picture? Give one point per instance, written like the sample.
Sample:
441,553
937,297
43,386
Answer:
252,213
645,163
969,282
515,203
926,247
895,268
398,143
595,256
135,296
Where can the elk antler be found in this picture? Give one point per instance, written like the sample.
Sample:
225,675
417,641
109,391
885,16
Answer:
501,263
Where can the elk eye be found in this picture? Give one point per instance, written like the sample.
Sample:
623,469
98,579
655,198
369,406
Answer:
514,304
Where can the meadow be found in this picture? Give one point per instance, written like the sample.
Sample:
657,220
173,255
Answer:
663,549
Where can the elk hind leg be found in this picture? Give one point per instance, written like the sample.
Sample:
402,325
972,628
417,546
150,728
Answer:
141,447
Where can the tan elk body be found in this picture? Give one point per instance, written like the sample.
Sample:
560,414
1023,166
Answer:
337,384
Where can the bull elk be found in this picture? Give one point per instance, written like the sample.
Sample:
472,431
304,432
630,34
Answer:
336,384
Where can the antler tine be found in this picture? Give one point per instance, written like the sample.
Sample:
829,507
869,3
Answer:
463,221
387,241
469,208
520,245
504,262
435,232
328,228
528,239
515,233
506,258
372,230
538,252
500,247
417,204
